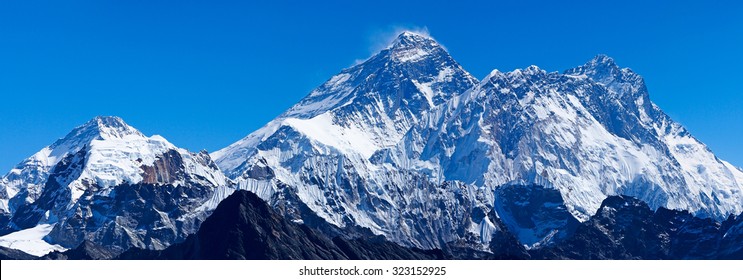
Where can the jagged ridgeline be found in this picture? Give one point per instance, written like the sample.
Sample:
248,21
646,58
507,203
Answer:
406,149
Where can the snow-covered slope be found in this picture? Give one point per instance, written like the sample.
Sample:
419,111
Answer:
409,145
31,240
107,182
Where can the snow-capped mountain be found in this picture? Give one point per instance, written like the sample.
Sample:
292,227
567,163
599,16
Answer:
108,183
410,146
321,148
591,132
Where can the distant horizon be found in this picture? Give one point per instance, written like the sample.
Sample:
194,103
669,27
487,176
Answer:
204,76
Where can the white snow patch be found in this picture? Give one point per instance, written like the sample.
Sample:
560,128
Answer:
410,55
487,229
349,140
425,88
31,240
737,173
337,81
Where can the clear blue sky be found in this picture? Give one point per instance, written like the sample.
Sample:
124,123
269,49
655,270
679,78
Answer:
206,73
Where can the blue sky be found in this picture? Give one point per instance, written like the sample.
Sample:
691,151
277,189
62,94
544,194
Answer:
206,73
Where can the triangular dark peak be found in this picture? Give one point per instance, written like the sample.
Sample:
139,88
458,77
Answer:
244,227
13,254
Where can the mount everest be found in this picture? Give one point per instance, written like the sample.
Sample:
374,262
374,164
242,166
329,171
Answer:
406,145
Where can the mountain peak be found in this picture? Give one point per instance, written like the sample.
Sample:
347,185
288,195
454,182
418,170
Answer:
108,122
600,63
111,121
408,39
429,76
602,60
106,127
413,34
603,69
533,70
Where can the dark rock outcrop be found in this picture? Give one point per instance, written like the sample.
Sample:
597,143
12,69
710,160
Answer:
626,228
13,254
244,227
535,214
86,251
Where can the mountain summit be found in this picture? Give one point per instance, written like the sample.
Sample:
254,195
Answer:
407,39
366,107
411,47
409,74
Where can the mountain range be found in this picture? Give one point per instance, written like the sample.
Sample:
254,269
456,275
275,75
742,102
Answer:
407,152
